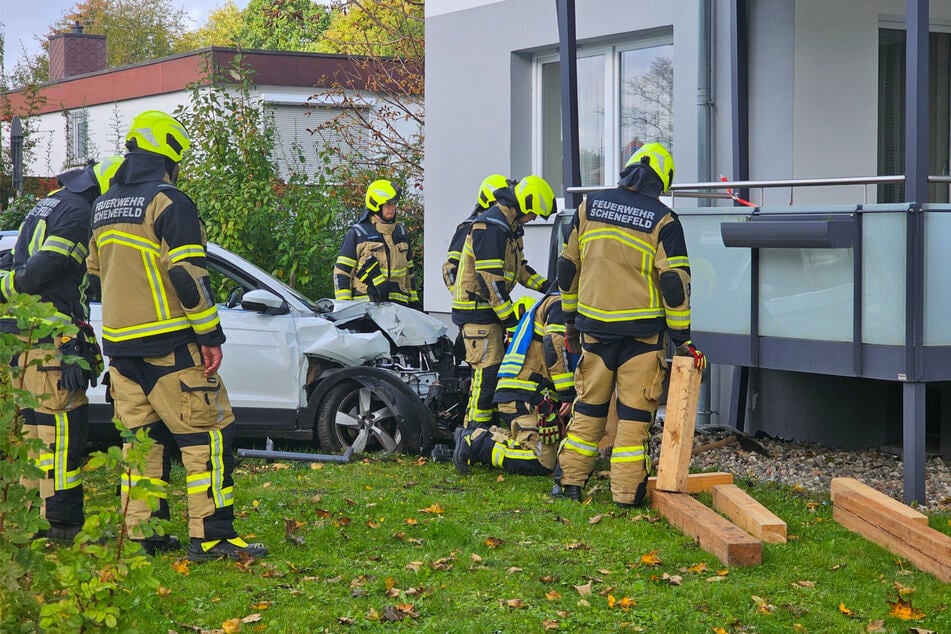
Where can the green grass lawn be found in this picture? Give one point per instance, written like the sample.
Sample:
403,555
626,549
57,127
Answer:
395,544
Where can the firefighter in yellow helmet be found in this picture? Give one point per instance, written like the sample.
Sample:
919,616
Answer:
49,260
375,261
485,199
492,262
534,392
163,338
625,283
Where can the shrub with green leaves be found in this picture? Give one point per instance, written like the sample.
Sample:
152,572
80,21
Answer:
93,584
231,174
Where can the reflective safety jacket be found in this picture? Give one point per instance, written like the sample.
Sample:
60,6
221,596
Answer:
624,271
450,267
536,358
49,258
148,249
492,262
375,254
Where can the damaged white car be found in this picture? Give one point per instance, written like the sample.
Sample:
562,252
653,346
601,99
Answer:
372,376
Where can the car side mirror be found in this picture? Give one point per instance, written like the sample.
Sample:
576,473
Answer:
264,301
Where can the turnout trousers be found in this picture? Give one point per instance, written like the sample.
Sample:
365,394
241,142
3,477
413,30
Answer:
484,351
519,450
171,398
632,371
61,422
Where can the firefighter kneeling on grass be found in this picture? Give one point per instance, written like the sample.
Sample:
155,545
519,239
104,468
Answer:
534,392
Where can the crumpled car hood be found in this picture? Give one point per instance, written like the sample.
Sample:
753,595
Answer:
322,338
404,325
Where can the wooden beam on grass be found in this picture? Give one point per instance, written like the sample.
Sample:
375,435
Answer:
677,442
873,515
697,482
713,533
744,511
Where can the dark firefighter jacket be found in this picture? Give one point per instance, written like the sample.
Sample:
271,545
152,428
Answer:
624,271
491,263
49,258
148,249
375,262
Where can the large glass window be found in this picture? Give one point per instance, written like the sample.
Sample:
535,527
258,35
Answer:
625,99
891,111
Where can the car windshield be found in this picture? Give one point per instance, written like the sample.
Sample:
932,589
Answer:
247,267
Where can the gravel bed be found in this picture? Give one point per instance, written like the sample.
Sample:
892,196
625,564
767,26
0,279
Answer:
812,467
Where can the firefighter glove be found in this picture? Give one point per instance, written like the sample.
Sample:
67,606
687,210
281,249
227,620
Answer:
549,425
572,339
91,352
72,375
687,349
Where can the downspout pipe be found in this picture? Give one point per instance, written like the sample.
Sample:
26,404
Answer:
705,53
568,69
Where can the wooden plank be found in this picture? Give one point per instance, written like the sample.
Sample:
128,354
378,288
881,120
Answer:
894,532
744,511
878,502
716,535
697,482
677,442
934,564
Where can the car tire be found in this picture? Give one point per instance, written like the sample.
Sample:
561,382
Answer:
353,415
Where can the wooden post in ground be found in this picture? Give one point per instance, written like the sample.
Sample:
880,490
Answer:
677,442
892,525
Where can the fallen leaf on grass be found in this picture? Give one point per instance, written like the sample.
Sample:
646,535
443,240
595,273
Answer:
291,527
372,524
231,626
902,589
804,584
920,630
674,580
251,618
263,605
719,630
762,605
322,513
493,542
513,570
476,558
554,595
162,591
549,624
346,620
847,611
563,520
584,590
596,518
548,579
343,520
698,568
180,566
434,509
625,603
604,571
444,564
411,521
875,626
414,566
716,578
584,603
576,546
650,559
421,461
904,610
399,612
517,604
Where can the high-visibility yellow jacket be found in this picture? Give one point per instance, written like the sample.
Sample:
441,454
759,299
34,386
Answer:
492,262
148,249
624,271
536,358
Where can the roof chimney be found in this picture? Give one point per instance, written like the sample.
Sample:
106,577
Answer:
76,53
